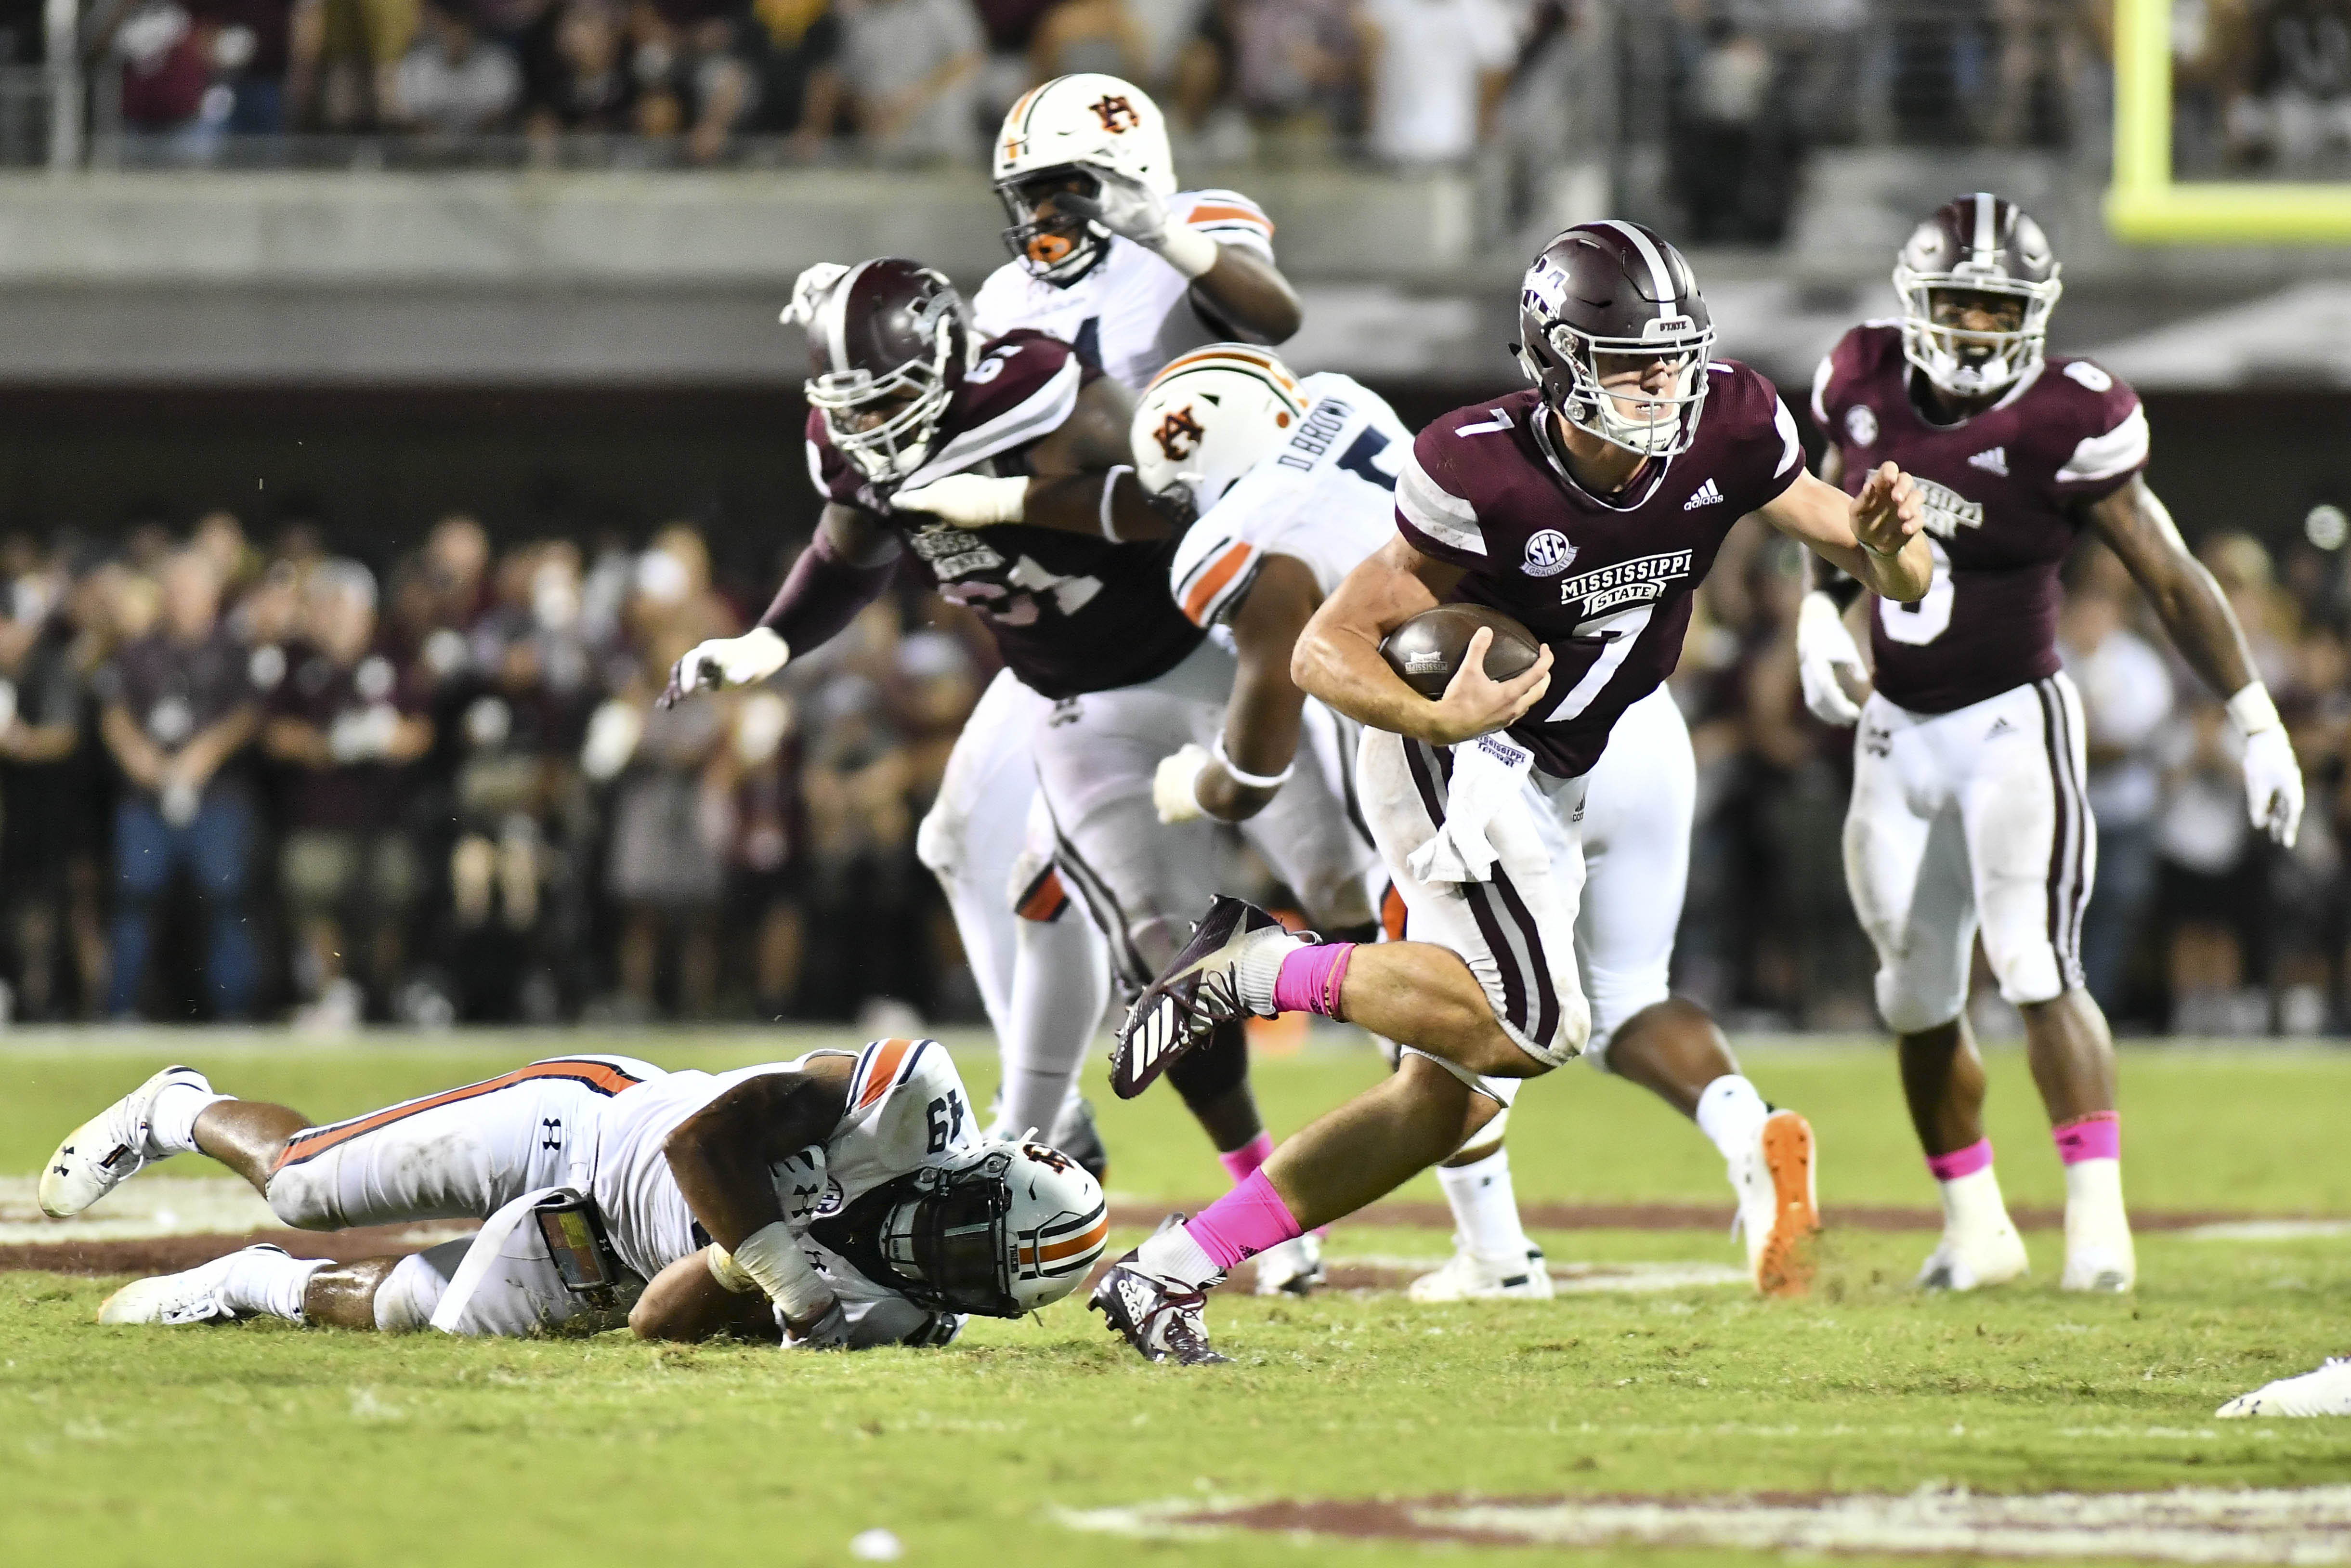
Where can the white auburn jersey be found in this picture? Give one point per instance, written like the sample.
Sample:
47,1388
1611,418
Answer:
1325,496
1133,312
907,1107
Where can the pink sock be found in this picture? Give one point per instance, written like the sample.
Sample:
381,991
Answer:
1241,1164
2097,1137
1309,978
1961,1163
1243,1223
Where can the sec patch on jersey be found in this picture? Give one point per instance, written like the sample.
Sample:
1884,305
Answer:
1425,650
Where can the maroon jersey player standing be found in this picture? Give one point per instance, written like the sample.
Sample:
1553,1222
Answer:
1968,806
1589,507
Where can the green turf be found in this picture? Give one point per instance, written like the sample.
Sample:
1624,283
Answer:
259,1445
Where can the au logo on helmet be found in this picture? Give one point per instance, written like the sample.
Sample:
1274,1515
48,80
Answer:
1117,115
1179,426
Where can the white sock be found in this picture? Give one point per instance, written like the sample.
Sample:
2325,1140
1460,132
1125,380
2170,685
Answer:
1259,966
1060,984
1972,1202
1484,1207
171,1119
1172,1255
1731,1113
268,1282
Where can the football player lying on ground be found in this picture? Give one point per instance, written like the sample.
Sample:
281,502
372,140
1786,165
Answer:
2325,1392
1970,812
1293,484
1613,463
843,1199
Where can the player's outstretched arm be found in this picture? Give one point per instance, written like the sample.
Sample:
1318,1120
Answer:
844,569
1080,480
1874,537
2137,527
1258,751
1338,655
722,1157
686,1303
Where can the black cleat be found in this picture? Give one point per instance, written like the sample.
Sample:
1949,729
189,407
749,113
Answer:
1076,1136
1161,1321
1192,995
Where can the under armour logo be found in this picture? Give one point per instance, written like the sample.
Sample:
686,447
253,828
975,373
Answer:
553,1131
1179,426
1117,115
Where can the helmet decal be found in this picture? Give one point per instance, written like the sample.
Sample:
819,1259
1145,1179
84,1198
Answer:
1208,418
1178,435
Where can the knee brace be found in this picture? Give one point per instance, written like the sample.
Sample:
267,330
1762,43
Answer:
1214,1069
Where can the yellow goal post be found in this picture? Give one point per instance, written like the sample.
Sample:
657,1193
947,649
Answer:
2146,207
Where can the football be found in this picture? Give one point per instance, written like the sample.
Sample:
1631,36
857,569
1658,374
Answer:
1425,650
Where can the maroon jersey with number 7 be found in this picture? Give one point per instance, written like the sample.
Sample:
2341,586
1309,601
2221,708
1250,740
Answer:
1606,581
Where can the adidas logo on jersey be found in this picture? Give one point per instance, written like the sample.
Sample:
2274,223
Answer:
2000,726
1992,462
1708,496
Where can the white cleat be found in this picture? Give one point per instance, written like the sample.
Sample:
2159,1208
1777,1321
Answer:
1292,1269
174,1301
1467,1277
1977,1256
2099,1256
2327,1392
2100,1270
1778,1206
110,1148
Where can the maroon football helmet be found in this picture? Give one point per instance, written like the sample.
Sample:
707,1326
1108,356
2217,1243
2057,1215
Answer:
1608,296
1976,245
889,342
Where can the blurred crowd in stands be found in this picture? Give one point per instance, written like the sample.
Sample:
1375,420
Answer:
247,783
1734,89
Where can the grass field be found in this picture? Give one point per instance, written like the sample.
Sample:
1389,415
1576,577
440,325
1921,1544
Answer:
258,1444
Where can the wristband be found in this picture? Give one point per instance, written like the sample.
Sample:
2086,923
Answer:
1251,781
2253,711
1109,484
772,1256
1187,250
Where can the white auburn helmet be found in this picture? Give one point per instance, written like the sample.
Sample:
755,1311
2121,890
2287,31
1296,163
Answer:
1000,1229
1210,418
1071,124
1976,243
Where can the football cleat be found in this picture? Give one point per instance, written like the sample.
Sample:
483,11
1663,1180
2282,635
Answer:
1778,1205
1076,1136
109,1149
2099,1256
2327,1392
174,1301
1467,1277
1195,992
1163,1320
1975,1257
1292,1269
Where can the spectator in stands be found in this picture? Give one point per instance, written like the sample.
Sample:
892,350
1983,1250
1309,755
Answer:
347,725
765,870
911,67
2126,699
1436,70
453,81
793,51
47,785
178,708
246,43
2295,108
165,69
1086,36
689,81
1733,153
1007,27
1290,66
341,57
584,81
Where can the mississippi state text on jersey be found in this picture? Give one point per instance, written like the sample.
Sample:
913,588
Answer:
1324,496
1606,583
2003,492
1071,614
1132,313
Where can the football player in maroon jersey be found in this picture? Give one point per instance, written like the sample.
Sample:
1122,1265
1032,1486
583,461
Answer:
1589,507
1969,810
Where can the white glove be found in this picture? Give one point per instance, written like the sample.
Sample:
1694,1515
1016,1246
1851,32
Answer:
967,500
829,1331
1486,772
808,291
614,732
1826,658
723,662
1131,210
2273,777
1175,785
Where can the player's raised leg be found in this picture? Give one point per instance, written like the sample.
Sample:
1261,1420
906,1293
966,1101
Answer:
153,1121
